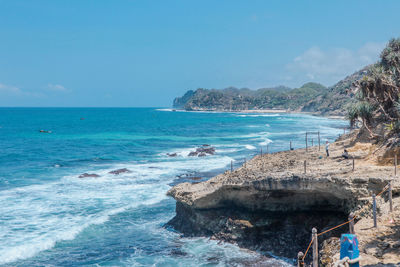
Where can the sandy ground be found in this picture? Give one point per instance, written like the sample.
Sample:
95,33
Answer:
318,164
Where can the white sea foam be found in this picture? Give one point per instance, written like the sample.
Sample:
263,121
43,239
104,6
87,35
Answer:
266,142
36,217
250,147
258,115
258,135
228,150
165,109
254,126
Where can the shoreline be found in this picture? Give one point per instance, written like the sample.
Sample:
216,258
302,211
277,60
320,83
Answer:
265,111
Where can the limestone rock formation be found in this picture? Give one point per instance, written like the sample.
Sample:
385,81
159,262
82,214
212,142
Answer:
271,205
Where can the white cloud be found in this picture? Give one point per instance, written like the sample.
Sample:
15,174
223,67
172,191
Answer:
4,88
331,65
56,87
14,91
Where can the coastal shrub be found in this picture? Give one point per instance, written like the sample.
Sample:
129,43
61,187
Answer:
390,57
363,110
380,88
352,115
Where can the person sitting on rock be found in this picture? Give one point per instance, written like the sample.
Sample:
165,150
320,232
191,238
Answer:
345,154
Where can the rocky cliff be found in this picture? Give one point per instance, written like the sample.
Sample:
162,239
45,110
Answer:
271,205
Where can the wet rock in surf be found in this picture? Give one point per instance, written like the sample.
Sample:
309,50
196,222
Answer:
206,149
178,253
172,154
202,151
88,175
119,171
193,154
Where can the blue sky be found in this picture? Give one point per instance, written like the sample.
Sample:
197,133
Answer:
144,53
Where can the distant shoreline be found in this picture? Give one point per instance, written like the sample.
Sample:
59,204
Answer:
338,117
237,111
264,111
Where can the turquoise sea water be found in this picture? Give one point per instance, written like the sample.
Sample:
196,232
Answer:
50,217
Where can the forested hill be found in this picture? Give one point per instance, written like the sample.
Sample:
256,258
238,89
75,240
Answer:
243,99
338,98
311,97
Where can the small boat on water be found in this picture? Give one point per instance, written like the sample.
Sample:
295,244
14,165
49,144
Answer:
44,131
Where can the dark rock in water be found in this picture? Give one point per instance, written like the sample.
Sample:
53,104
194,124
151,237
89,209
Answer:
186,175
172,154
178,253
206,145
208,150
202,151
257,261
214,260
119,171
193,154
88,175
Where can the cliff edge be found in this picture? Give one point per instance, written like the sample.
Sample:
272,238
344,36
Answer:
270,204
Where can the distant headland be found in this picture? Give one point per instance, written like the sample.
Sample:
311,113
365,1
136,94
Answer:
311,97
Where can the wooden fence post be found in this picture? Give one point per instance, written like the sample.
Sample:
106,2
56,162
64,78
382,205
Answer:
305,166
374,209
306,143
395,165
290,146
319,142
351,223
300,262
353,163
231,166
390,196
261,151
245,163
315,247
312,141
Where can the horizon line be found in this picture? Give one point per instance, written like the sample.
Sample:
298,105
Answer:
75,107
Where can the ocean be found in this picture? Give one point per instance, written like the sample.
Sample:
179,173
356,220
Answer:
51,217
